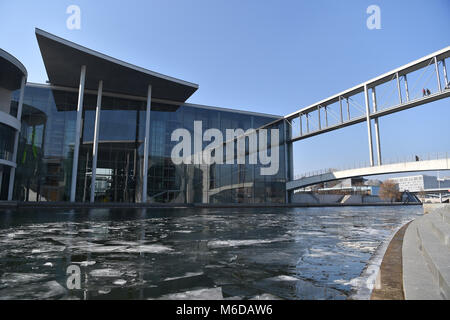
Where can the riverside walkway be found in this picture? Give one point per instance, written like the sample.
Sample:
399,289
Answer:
426,257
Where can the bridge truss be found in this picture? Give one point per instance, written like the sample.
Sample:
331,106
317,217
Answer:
319,113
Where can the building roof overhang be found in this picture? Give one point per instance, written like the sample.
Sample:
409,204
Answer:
63,61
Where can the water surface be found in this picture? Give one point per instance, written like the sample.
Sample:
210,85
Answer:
238,253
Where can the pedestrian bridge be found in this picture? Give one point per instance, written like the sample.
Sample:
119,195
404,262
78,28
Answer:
426,165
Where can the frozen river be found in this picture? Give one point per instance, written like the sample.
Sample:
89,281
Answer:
241,253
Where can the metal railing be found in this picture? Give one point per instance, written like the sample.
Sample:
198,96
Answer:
364,164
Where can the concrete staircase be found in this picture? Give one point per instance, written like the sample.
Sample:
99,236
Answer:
426,257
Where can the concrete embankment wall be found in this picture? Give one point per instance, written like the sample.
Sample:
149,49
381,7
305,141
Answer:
312,198
426,256
316,198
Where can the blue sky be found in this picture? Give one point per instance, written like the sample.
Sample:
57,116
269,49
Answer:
265,56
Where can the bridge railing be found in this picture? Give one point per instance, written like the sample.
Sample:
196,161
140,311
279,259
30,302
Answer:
364,164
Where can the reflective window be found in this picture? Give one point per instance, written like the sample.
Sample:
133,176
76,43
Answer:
48,136
7,137
45,151
120,150
218,183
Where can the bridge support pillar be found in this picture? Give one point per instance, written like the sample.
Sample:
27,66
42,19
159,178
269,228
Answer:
377,130
288,157
369,125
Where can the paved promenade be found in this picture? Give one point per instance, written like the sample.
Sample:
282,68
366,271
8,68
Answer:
426,257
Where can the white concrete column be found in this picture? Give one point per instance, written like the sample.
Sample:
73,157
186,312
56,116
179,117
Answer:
369,126
340,108
437,74
406,87
399,89
98,109
445,73
286,164
377,130
146,144
73,187
12,173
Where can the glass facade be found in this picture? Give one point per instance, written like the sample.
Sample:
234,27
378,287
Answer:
7,137
4,181
47,142
201,183
120,150
13,109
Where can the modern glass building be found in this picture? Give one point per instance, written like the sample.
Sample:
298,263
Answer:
101,131
12,85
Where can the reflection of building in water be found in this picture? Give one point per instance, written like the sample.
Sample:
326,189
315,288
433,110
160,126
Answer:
48,138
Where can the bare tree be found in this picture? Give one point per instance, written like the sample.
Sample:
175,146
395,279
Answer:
389,191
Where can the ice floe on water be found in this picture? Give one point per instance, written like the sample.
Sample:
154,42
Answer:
186,275
364,246
120,282
289,287
263,253
319,253
41,291
86,263
238,243
200,294
150,248
20,278
106,273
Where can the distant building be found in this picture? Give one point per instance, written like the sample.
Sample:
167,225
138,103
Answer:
421,182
